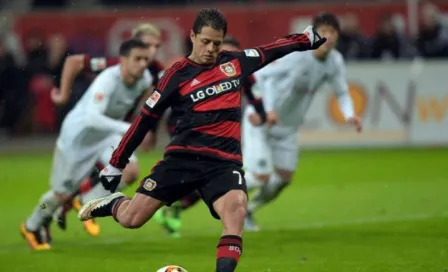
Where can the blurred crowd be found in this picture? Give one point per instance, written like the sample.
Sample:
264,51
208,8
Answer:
27,74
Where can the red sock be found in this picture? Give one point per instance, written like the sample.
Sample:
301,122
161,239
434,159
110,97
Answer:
230,248
117,204
85,186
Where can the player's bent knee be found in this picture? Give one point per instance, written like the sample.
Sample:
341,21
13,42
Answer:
132,220
285,175
139,211
132,223
62,197
262,178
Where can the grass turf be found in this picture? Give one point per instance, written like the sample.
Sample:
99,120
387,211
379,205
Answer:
354,211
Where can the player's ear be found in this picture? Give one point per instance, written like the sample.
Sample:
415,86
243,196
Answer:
192,35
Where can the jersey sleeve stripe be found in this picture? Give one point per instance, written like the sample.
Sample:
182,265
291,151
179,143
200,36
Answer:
117,153
169,74
148,113
279,44
261,54
87,64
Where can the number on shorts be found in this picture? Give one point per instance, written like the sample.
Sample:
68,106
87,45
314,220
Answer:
240,178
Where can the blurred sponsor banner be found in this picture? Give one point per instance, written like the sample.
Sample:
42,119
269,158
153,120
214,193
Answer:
252,26
402,103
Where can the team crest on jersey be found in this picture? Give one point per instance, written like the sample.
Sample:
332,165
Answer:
149,184
152,100
228,69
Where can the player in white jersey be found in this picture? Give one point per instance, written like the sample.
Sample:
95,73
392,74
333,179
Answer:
89,133
287,87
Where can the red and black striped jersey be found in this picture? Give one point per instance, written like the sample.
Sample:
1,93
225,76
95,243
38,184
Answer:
257,103
207,100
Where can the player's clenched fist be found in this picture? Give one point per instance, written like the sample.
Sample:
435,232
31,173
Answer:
272,119
315,39
110,177
356,122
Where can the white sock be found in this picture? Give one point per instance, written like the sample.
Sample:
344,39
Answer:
252,181
267,192
98,191
48,204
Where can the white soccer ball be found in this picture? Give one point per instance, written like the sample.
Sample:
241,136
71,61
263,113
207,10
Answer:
172,268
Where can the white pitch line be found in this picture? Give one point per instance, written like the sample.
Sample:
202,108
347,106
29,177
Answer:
307,226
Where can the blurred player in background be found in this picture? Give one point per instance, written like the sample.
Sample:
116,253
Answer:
88,135
205,152
288,87
74,65
169,217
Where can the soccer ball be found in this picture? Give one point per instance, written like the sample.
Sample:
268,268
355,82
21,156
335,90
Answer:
172,268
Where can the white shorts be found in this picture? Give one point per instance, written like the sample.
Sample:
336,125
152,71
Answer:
70,169
265,150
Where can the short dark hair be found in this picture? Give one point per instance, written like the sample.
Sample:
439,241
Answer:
326,19
210,17
128,45
232,41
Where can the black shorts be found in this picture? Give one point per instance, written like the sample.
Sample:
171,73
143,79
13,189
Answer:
177,175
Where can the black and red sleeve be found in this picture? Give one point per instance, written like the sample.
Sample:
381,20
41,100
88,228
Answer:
160,99
256,58
98,64
155,69
256,102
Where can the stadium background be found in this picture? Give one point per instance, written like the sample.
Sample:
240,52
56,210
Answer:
364,208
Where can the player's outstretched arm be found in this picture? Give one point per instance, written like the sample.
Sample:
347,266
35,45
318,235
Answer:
152,110
73,66
99,95
256,58
339,84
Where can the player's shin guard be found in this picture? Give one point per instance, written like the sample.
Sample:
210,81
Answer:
47,206
230,248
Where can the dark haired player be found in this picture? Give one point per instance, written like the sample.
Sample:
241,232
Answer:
169,217
88,131
271,155
205,152
73,66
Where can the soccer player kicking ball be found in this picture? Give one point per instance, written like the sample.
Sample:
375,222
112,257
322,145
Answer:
288,87
205,152
169,217
89,133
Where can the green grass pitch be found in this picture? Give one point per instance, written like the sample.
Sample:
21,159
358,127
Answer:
354,211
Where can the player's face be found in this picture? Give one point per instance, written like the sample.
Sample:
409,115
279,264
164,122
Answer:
229,47
206,45
137,62
154,45
332,36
